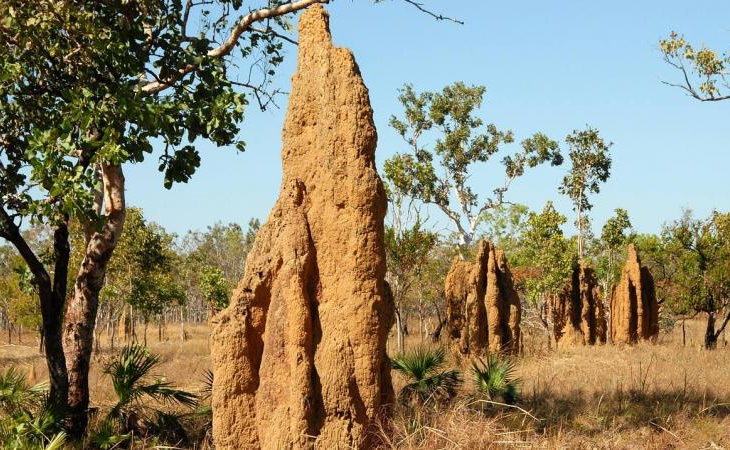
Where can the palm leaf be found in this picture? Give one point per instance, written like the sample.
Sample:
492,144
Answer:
427,382
130,374
16,395
494,378
165,392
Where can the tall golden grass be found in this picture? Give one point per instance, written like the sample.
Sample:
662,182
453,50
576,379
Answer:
667,395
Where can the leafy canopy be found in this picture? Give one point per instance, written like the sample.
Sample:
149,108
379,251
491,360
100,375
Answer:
704,71
437,170
73,93
590,165
547,252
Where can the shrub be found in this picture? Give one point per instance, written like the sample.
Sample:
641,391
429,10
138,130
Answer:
494,378
421,367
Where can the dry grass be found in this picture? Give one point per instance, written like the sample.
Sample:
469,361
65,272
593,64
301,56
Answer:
648,396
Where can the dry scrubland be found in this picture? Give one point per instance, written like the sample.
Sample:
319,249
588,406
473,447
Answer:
647,396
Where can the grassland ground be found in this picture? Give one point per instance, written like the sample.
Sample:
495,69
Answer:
667,395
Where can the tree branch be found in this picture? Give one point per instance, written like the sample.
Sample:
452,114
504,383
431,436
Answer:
436,16
269,30
10,231
226,47
455,218
724,324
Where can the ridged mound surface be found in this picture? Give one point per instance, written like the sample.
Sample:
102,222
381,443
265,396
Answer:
482,305
299,356
634,308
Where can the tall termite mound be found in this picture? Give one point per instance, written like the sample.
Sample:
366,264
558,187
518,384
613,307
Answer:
578,314
634,308
482,306
299,356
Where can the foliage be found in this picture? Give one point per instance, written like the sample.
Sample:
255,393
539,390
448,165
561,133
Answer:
426,381
704,71
20,305
700,248
504,224
214,260
494,378
614,230
462,141
143,271
590,165
546,251
616,233
72,90
408,250
130,376
28,420
215,288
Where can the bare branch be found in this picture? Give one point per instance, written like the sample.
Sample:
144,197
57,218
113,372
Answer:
269,30
436,16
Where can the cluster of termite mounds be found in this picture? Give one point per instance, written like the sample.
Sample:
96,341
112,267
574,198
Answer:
578,314
634,307
299,356
482,306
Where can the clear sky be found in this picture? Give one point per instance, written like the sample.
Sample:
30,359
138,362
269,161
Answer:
548,66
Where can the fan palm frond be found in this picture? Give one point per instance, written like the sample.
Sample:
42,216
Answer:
207,389
494,377
427,382
134,363
15,394
165,392
130,374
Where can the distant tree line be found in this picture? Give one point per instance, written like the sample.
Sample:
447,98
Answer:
155,279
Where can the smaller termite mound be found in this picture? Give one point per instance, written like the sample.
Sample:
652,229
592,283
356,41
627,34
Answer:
482,306
579,317
634,308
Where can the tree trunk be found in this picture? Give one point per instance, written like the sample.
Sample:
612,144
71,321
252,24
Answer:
145,332
40,338
684,333
51,294
545,322
182,324
399,330
83,305
710,336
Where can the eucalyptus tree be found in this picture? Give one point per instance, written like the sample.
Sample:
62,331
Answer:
700,251
408,250
18,307
590,165
216,289
445,139
615,234
704,72
504,225
547,256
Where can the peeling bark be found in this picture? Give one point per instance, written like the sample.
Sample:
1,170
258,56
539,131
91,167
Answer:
81,310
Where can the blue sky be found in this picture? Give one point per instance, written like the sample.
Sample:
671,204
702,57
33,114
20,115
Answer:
548,66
